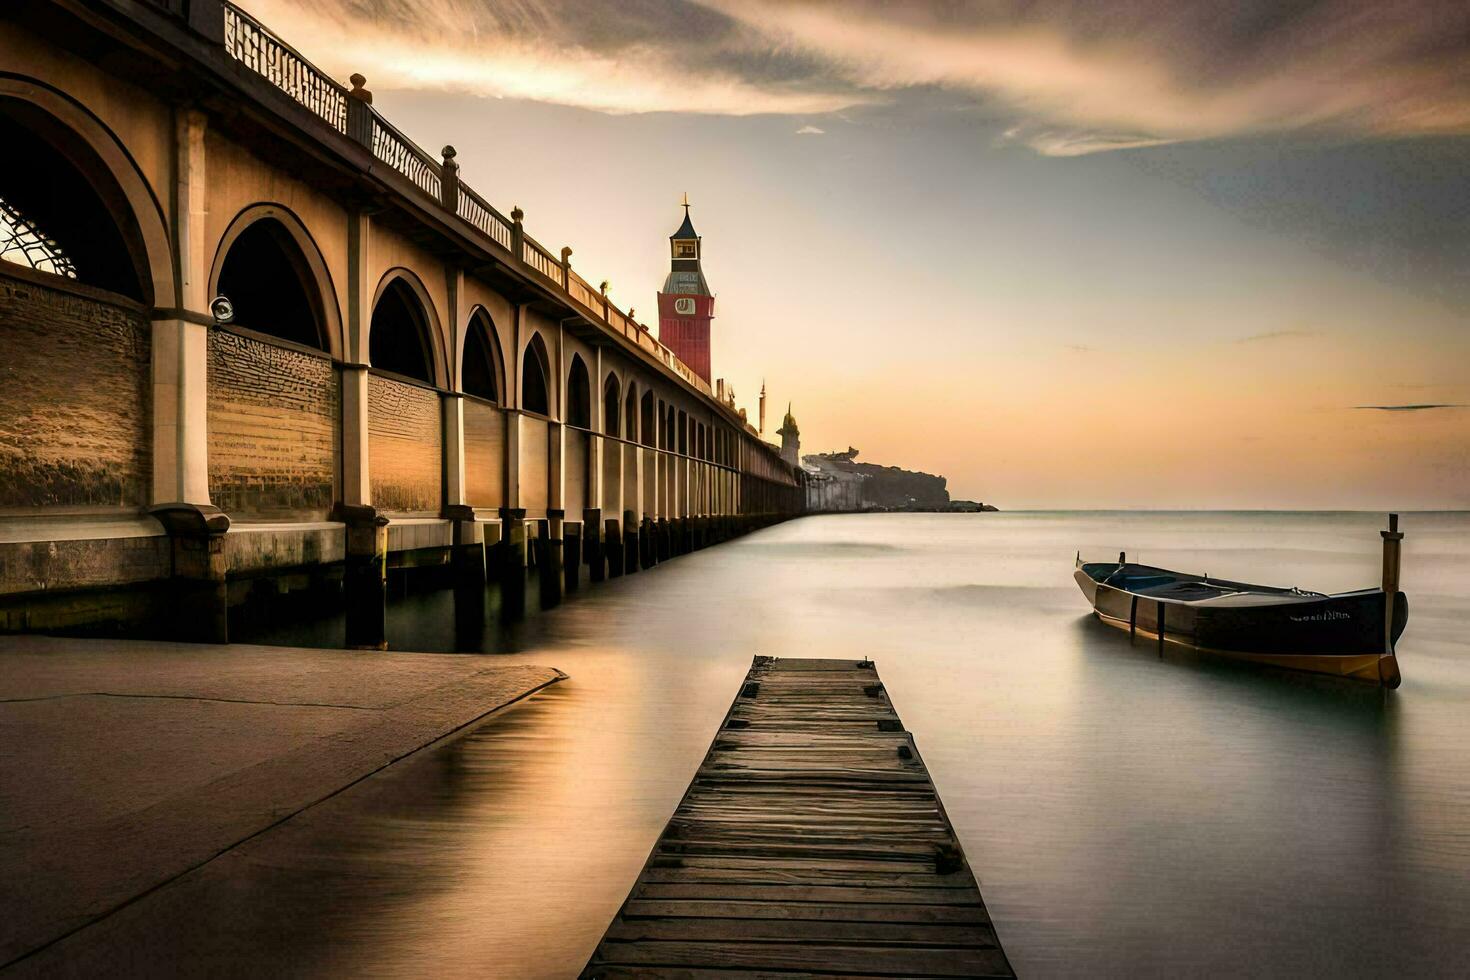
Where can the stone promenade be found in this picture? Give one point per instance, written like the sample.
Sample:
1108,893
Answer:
126,764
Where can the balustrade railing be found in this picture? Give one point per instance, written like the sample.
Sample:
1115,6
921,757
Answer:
583,292
539,259
474,209
254,46
405,156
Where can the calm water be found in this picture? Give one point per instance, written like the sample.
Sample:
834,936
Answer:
1125,814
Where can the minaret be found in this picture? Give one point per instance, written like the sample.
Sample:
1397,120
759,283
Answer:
685,305
762,429
790,439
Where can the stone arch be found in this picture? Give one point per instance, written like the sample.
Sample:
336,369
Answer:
612,404
404,337
84,142
271,269
536,376
481,372
630,412
579,394
648,428
668,433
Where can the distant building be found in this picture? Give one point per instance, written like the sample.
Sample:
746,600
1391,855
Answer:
790,439
685,305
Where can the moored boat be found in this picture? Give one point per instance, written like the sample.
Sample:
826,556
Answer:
1349,634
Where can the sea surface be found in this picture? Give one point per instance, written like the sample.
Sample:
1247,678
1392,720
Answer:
1126,814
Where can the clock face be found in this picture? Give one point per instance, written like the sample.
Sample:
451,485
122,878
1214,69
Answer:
684,306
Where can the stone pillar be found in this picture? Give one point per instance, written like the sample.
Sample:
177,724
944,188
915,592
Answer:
511,562
467,569
571,556
198,603
365,578
592,544
612,546
549,559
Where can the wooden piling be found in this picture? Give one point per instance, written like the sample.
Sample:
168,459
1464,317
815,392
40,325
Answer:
811,841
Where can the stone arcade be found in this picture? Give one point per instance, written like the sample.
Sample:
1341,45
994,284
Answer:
401,377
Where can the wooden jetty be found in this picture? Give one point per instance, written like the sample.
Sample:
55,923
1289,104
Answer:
811,842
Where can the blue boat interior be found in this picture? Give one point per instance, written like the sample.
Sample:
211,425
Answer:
1160,583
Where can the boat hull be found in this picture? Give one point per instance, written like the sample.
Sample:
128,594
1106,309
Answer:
1341,635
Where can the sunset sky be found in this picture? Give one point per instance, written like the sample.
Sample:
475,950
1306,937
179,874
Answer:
1067,254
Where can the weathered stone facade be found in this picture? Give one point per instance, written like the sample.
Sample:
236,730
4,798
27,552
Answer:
405,446
74,407
273,427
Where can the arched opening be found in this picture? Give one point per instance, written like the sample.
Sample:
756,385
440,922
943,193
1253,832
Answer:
649,433
683,433
75,362
579,395
630,414
398,339
61,213
668,433
480,368
535,390
612,400
267,280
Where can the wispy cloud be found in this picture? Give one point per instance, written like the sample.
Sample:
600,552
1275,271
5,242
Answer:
558,53
1275,335
1107,75
1407,408
1068,77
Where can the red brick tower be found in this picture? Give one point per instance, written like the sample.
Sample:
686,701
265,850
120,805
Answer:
685,304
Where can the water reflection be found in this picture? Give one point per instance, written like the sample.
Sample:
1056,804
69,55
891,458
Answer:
1127,814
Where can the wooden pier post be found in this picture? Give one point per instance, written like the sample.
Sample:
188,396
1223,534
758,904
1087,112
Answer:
1393,538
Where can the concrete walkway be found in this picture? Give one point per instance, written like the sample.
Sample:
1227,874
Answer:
125,763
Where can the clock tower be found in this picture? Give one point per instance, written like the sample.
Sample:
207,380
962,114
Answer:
685,304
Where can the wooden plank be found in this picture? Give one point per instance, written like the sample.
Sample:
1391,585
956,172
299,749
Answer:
832,958
811,842
803,911
783,930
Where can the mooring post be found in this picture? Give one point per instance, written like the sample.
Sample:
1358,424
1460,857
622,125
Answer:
199,599
1392,543
365,577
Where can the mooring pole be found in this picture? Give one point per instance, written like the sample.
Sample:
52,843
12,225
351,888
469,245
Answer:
1392,543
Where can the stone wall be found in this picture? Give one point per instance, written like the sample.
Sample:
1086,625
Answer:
484,454
273,430
405,447
74,377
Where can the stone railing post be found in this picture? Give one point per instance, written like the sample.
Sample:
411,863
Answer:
360,112
449,182
518,233
566,268
602,287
